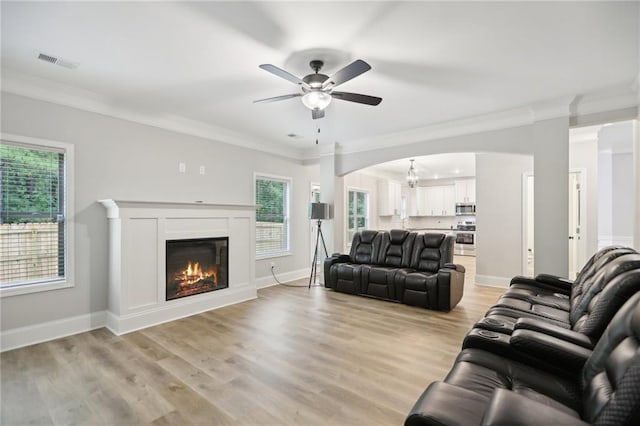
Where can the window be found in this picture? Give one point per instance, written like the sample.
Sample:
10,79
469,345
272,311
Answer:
358,213
34,233
272,217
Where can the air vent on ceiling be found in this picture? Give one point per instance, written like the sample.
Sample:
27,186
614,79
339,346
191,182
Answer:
58,61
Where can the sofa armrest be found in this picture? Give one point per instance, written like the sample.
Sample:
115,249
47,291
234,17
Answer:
450,286
546,281
554,331
458,268
330,261
549,353
509,408
445,404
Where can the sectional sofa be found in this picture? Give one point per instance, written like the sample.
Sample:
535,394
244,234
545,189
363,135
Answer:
552,351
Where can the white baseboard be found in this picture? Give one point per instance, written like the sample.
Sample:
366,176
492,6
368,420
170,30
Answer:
30,335
127,323
284,277
38,333
492,281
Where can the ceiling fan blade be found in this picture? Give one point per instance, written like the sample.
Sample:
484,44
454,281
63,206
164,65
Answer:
317,113
352,70
356,97
278,98
283,74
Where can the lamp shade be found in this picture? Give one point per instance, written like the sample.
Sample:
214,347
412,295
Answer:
318,211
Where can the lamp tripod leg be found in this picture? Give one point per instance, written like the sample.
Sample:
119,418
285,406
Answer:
315,258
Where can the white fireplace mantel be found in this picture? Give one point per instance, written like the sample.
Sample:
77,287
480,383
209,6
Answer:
138,232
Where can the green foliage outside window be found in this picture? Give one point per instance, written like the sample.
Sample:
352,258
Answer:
30,180
270,195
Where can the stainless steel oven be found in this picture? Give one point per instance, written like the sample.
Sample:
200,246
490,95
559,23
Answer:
465,239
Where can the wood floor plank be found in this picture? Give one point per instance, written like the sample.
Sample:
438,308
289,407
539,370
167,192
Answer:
293,356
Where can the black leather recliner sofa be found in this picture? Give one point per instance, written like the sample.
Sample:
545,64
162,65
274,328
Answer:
535,368
402,266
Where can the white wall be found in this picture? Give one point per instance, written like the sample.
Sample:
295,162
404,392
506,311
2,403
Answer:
548,142
622,196
605,199
499,215
119,159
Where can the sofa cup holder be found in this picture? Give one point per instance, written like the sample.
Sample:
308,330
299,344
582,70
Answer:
493,321
488,334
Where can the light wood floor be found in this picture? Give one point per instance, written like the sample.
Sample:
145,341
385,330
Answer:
292,356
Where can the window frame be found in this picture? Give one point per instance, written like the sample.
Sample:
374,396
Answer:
287,216
367,217
68,281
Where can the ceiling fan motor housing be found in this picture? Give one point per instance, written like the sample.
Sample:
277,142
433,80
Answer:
315,80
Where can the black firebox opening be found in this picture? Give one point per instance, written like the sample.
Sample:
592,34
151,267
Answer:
196,266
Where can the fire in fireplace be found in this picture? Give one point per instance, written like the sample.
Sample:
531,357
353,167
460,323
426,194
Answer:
196,266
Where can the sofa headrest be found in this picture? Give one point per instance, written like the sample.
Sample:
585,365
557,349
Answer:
431,240
367,236
397,236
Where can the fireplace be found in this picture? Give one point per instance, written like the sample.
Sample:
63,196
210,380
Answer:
196,266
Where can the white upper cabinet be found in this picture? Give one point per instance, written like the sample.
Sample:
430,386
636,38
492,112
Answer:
435,201
465,191
389,197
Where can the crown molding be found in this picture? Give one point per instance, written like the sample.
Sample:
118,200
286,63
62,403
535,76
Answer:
610,99
570,106
500,120
61,94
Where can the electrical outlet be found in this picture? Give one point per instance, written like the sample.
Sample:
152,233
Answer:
202,170
182,167
273,264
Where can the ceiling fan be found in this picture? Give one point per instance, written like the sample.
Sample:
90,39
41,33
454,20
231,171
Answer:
317,89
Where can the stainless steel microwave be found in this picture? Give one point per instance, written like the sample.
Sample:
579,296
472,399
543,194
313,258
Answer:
463,209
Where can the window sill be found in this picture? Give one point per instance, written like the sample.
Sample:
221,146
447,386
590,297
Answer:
273,255
20,289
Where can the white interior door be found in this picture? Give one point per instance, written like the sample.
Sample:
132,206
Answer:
527,220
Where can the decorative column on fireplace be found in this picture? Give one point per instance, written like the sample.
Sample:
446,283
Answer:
196,266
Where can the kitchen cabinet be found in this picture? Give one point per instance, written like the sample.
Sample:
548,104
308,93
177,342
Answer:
465,191
435,201
412,202
389,197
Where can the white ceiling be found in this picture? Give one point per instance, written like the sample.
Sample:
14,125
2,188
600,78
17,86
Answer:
432,62
440,166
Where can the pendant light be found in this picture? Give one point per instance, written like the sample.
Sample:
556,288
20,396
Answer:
412,177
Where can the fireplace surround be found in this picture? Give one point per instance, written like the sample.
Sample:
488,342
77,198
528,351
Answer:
139,232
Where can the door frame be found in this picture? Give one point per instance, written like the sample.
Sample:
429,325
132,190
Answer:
525,220
582,217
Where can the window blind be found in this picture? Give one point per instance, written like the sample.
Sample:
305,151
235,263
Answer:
272,217
32,214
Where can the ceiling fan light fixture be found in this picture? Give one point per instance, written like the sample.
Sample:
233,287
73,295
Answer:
316,99
412,176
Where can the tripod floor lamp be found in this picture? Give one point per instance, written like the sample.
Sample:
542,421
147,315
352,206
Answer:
318,211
